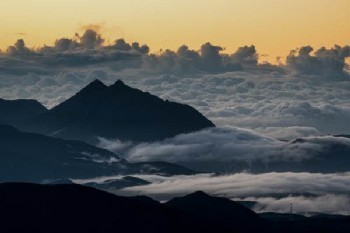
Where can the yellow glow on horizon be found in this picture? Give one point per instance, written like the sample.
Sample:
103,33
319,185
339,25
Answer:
274,26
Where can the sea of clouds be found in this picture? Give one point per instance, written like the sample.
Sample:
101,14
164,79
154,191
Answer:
308,95
258,108
308,192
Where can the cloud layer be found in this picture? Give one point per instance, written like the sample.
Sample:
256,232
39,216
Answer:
234,150
328,193
90,49
306,96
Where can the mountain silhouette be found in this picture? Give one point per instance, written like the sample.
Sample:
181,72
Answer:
31,157
117,111
219,210
74,208
13,111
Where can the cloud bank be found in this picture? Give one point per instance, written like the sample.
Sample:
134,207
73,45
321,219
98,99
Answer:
90,49
306,96
234,150
309,192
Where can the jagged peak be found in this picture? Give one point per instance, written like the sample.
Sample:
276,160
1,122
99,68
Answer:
119,84
95,85
97,82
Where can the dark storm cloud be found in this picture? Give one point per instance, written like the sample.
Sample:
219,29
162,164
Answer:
19,49
90,49
87,49
246,55
209,59
91,39
326,62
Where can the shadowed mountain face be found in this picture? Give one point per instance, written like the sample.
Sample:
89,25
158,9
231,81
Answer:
30,157
227,213
73,208
13,111
117,111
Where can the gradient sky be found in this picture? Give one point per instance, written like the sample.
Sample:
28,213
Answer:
274,26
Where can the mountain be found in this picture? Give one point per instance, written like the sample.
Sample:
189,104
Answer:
74,208
13,111
30,157
117,111
219,210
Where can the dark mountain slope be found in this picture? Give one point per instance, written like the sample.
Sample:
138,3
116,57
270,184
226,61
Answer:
220,210
117,111
73,208
12,111
33,157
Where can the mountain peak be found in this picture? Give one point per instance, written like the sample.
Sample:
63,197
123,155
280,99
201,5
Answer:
92,88
199,194
96,83
119,83
120,111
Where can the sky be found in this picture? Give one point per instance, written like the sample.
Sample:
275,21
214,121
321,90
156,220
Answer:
273,26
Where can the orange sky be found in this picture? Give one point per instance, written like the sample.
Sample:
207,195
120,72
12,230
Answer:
274,26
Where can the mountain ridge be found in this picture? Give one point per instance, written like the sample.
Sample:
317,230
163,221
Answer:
34,157
75,208
13,111
119,112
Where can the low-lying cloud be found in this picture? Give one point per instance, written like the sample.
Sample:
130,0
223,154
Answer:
330,204
232,149
309,192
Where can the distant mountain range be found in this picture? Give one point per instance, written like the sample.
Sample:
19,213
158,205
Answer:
30,157
117,111
75,208
121,112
